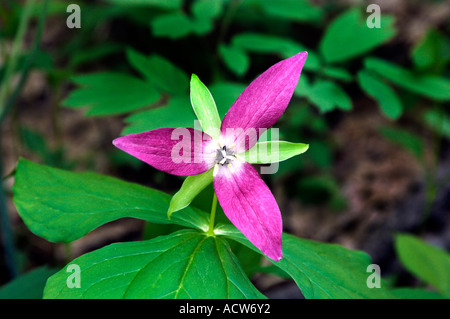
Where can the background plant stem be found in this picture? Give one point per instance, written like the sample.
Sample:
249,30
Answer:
6,104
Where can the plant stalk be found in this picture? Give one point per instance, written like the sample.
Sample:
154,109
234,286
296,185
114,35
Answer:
212,217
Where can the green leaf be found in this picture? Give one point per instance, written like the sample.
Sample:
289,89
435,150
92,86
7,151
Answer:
266,44
320,154
191,187
63,206
408,140
273,151
91,54
162,117
207,9
296,10
431,86
172,25
186,264
108,93
27,286
432,52
339,44
320,270
415,293
427,262
327,95
235,59
165,4
320,190
337,73
438,121
225,93
389,102
166,76
303,87
205,108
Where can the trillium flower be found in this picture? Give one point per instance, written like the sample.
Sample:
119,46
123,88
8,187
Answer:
217,152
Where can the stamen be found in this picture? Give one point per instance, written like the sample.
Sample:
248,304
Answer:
238,157
216,170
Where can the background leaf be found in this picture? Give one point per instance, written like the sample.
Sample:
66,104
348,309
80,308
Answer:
172,25
172,4
296,10
389,102
27,286
268,44
338,46
166,76
234,58
327,95
427,262
108,93
162,116
432,52
431,86
408,140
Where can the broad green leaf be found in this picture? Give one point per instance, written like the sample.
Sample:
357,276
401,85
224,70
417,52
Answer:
162,116
27,286
191,187
320,270
185,264
273,151
108,93
205,108
389,102
327,95
297,10
415,293
348,36
173,25
410,141
433,87
427,262
235,59
63,206
267,44
166,76
165,4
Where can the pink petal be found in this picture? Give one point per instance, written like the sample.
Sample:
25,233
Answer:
262,102
250,206
181,151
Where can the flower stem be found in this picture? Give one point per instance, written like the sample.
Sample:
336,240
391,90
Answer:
212,217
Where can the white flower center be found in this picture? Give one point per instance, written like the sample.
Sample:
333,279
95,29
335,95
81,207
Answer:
224,156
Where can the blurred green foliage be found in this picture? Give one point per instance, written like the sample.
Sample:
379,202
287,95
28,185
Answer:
141,73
